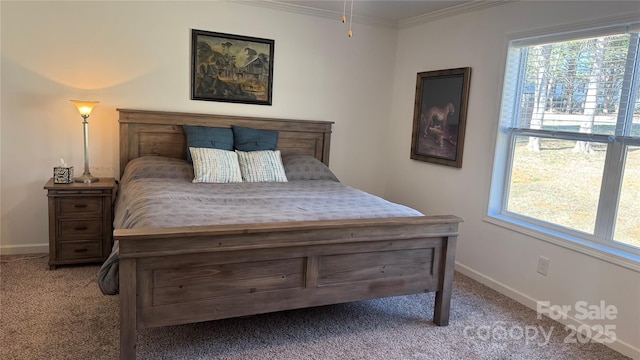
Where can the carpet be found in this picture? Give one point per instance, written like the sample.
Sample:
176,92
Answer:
61,314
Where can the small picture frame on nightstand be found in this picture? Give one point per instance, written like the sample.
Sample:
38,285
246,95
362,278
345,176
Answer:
62,175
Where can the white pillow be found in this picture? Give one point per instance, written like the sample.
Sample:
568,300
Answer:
215,166
261,166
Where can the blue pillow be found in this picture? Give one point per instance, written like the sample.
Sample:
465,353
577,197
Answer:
208,137
249,139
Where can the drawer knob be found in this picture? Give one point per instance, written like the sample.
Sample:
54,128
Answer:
80,228
82,250
80,206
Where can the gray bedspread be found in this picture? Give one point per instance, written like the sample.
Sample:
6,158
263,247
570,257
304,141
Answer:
159,193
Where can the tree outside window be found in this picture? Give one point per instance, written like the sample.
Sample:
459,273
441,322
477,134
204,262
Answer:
568,152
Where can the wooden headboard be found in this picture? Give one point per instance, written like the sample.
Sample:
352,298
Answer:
145,132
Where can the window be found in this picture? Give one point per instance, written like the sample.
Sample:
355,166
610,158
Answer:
568,152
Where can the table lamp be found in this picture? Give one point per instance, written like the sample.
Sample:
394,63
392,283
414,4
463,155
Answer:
85,107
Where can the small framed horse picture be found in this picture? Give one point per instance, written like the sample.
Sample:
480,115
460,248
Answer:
440,116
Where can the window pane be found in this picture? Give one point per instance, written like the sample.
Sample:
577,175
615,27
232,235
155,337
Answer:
556,184
628,221
573,86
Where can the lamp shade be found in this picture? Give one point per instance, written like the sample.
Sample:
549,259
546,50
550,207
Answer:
84,107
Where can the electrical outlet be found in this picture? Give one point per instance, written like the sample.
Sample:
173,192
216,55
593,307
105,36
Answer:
543,265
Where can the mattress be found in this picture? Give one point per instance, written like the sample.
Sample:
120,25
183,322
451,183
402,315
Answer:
158,192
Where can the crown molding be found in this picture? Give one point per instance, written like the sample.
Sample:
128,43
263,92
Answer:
402,24
327,14
475,5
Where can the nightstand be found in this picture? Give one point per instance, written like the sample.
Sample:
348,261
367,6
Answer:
80,221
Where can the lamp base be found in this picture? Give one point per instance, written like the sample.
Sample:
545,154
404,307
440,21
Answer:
87,179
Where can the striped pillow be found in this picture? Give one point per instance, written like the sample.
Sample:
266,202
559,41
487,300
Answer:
261,166
215,166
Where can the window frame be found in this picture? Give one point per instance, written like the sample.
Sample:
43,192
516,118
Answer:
594,245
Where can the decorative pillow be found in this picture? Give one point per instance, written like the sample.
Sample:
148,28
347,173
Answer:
305,167
208,137
249,139
261,166
215,166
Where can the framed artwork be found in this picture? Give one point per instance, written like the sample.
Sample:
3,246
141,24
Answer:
231,68
440,116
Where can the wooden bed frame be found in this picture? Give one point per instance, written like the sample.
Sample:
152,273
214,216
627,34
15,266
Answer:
171,276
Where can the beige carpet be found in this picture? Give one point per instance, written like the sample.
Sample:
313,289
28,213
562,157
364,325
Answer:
61,314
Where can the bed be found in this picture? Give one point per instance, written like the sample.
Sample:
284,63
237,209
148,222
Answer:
170,275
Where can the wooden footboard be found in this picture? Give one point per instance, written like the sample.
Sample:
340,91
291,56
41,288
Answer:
172,276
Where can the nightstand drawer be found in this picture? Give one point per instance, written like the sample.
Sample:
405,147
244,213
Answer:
72,228
80,250
80,206
80,221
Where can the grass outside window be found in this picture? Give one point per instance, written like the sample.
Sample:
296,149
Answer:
562,187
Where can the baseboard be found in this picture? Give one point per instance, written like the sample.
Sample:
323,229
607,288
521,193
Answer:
24,249
617,345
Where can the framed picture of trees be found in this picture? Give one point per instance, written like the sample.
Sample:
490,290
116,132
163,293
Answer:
231,68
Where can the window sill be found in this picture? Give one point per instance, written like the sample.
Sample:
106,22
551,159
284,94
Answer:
600,251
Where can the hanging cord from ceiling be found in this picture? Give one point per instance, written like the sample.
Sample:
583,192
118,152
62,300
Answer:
344,16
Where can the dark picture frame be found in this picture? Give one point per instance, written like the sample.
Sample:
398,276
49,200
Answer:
440,116
231,68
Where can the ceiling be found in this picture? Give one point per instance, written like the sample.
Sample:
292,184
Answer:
384,10
388,13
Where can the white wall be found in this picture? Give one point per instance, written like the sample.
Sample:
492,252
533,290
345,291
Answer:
501,258
137,55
